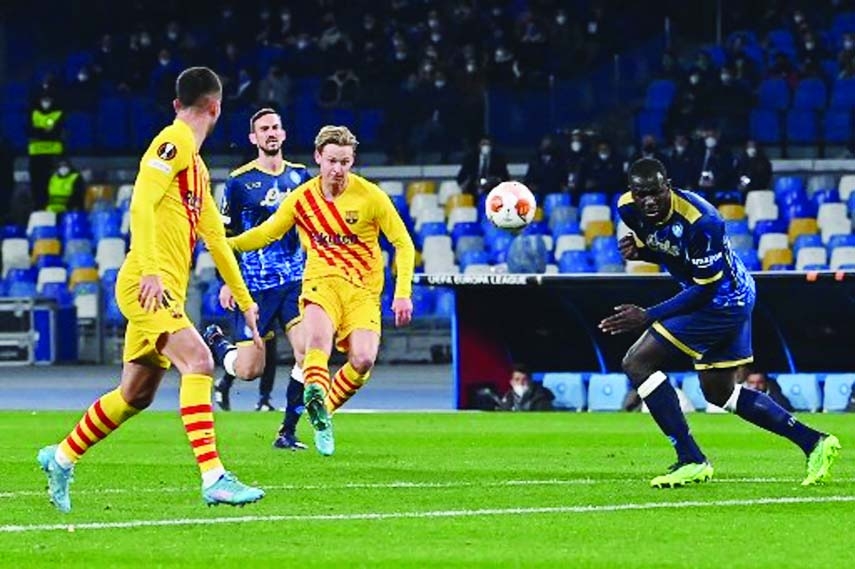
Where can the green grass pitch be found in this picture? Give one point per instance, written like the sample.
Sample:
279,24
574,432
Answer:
417,490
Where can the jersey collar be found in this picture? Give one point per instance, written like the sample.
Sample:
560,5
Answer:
261,168
670,210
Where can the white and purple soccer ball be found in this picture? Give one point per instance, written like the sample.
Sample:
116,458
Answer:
510,205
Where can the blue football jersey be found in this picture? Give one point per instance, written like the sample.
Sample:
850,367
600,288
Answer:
251,195
693,246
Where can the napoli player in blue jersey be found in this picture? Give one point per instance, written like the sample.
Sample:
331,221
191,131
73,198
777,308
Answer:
273,275
708,320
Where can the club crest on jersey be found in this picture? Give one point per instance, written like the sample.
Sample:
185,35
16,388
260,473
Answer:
167,151
677,230
351,216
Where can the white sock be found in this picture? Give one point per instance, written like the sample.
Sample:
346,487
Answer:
62,459
229,362
210,477
650,384
730,404
297,373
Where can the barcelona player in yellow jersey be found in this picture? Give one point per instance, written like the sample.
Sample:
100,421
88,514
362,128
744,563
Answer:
171,205
339,216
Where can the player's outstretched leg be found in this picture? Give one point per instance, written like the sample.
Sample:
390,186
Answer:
317,377
225,354
345,384
287,436
57,461
641,365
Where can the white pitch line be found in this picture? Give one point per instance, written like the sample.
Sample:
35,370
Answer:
408,485
582,509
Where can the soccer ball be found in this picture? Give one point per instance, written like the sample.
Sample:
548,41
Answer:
510,205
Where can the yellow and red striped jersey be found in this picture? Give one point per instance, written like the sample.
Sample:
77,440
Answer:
171,205
341,234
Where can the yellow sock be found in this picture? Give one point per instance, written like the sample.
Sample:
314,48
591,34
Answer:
102,418
316,369
198,418
345,384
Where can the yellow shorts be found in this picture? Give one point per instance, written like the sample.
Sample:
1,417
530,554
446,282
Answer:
348,306
146,328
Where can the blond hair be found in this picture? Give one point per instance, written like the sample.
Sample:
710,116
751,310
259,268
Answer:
331,134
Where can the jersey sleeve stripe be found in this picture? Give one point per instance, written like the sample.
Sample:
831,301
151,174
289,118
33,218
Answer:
328,228
313,231
708,280
337,215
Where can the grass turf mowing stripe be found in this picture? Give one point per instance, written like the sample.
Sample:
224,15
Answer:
428,514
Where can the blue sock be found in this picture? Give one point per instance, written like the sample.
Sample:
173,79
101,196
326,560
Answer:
220,347
293,408
761,410
661,400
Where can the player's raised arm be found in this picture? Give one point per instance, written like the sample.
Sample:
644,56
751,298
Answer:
271,230
405,258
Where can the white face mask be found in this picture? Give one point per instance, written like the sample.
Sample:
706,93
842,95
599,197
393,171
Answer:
82,77
576,146
603,156
560,19
710,141
485,149
439,84
62,170
725,78
751,152
809,45
470,68
679,149
694,79
45,104
848,44
520,390
435,37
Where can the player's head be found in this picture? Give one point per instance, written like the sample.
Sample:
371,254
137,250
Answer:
650,188
198,90
266,132
335,149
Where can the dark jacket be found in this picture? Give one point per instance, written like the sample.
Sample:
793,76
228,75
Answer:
469,176
757,169
537,398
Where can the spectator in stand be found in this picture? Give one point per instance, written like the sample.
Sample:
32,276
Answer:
482,168
760,381
275,89
782,68
437,129
547,170
341,89
717,172
83,92
685,168
163,76
846,55
689,104
648,149
106,63
753,168
729,104
574,158
46,144
565,43
811,46
524,394
745,71
230,64
135,72
602,171
670,68
65,189
241,93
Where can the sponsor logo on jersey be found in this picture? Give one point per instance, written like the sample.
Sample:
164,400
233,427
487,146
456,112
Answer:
159,165
351,216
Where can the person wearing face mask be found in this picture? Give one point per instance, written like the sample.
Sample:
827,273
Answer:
753,168
163,76
717,172
601,171
730,103
65,189
46,135
83,92
846,55
689,103
275,89
437,106
547,170
685,167
482,168
649,149
525,394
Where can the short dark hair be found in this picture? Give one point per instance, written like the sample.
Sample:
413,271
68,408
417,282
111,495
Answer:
521,368
258,114
647,168
196,83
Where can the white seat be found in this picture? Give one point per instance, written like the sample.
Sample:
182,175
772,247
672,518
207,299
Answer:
41,219
16,254
421,203
87,305
569,243
835,227
51,275
811,256
622,230
842,256
110,254
219,191
769,241
126,222
392,187
204,261
429,216
765,211
448,188
123,196
758,199
441,263
551,269
548,242
478,269
829,211
462,214
436,245
846,186
594,213
820,182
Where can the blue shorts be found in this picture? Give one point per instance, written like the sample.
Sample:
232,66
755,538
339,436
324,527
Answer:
278,308
714,337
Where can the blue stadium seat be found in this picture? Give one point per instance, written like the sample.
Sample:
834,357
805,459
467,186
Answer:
781,267
551,201
805,240
13,126
802,126
837,126
112,124
499,242
12,231
74,225
563,213
769,226
423,300
58,292
568,388
370,122
44,232
113,317
765,126
773,95
570,228
49,261
781,39
575,262
727,197
650,122
691,387
837,391
749,259
106,223
788,196
796,210
828,195
80,131
802,389
742,241
810,95
843,94
464,228
606,391
840,240
593,198
85,288
473,258
736,227
536,228
816,267
81,260
17,274
850,206
660,93
22,289
445,303
604,243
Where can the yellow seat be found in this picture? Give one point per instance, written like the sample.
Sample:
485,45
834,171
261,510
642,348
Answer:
420,187
641,267
82,275
777,257
99,192
538,214
598,228
45,247
802,226
732,211
459,200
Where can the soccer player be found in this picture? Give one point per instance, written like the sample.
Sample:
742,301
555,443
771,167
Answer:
273,274
171,205
339,216
709,320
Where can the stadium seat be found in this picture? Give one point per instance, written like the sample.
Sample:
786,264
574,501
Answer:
444,303
843,94
742,241
434,244
593,198
774,257
205,269
773,94
51,275
563,214
424,301
769,226
458,200
574,261
807,256
448,188
834,227
568,243
16,254
771,240
606,391
598,228
788,183
727,197
597,212
45,247
802,126
810,95
843,240
13,231
765,126
736,227
82,275
650,122
802,389
39,219
478,269
801,226
392,187
462,215
691,386
74,225
551,201
814,240
660,93
827,195
749,259
86,302
110,253
763,213
430,228
99,193
837,126
830,211
420,187
423,202
80,132
22,289
464,228
125,192
846,186
837,391
434,215
641,267
469,243
732,211
568,388
82,259
841,256
758,200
